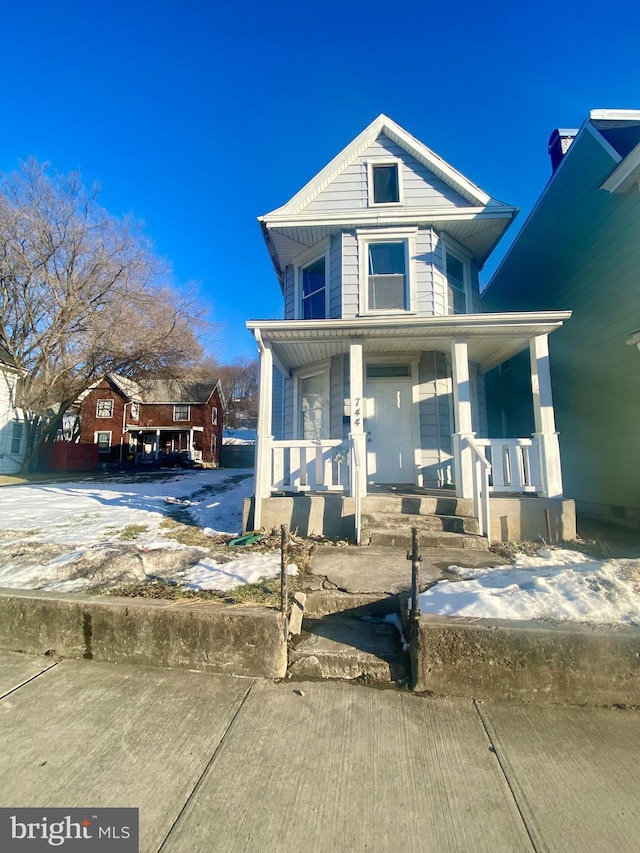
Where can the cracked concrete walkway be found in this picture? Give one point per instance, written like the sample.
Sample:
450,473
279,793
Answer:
216,763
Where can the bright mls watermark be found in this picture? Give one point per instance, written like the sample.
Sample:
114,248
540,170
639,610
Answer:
80,830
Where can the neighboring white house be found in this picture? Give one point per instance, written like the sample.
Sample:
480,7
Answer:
12,428
580,248
379,362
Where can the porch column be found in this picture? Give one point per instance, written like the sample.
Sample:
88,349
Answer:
545,434
263,437
462,415
191,442
356,407
157,456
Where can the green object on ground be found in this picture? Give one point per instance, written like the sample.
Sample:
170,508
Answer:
247,539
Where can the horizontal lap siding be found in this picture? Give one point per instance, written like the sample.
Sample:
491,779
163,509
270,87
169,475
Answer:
288,414
289,294
435,425
423,262
581,251
277,414
350,275
421,187
335,278
337,396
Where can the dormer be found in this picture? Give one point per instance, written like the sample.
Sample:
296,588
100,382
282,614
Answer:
386,228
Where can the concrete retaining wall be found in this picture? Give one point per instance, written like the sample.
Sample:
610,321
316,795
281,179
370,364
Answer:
499,659
239,640
328,515
514,519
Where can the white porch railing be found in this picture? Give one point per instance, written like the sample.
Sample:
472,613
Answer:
481,472
300,466
515,464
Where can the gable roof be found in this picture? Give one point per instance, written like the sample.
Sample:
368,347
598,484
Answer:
289,229
160,390
384,125
615,132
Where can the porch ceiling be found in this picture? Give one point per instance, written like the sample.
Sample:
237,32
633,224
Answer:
491,338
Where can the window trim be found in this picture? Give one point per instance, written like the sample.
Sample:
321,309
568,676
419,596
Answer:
387,235
448,247
214,415
135,413
181,406
384,161
304,260
105,400
103,432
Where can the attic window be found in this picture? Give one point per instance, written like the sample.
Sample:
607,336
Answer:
384,183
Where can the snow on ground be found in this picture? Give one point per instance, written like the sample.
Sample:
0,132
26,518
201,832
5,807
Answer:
69,536
557,585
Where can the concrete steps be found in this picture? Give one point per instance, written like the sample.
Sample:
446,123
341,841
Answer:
347,647
443,521
401,539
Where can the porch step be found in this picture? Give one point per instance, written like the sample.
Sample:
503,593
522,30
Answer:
412,504
343,647
394,538
430,523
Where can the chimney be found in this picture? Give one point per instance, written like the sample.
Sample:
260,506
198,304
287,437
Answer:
559,143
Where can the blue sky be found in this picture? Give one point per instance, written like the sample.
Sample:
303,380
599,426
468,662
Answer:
197,116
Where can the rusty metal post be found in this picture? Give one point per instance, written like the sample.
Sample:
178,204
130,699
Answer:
416,559
284,589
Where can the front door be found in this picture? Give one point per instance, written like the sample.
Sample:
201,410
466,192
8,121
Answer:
389,426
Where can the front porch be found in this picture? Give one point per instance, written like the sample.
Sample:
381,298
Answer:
387,358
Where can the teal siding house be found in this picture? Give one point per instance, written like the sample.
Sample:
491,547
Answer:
580,249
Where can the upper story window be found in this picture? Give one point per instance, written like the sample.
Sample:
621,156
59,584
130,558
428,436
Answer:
387,276
386,270
181,412
457,275
384,183
313,288
135,411
104,409
214,416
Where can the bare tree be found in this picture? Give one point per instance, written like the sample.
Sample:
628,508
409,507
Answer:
239,382
81,294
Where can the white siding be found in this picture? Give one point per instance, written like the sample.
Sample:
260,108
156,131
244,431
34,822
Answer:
10,463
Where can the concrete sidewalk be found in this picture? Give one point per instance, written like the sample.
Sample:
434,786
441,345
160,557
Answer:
216,763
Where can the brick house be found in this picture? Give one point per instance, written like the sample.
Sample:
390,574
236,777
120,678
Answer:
144,422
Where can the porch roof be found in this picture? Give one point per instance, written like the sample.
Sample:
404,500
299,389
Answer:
491,338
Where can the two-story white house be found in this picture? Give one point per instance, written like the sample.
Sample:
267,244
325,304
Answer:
374,378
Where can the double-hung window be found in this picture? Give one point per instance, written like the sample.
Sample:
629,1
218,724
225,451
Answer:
104,409
386,270
103,440
16,437
456,274
181,412
313,290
